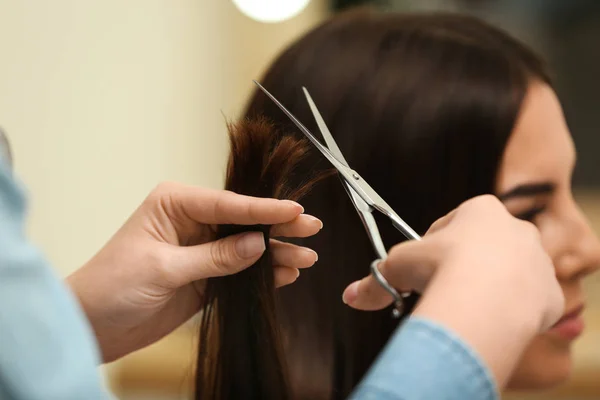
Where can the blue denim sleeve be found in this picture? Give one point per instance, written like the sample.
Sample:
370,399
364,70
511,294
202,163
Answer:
47,348
425,361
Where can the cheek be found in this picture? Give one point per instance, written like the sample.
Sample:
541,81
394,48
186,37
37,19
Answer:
557,226
552,235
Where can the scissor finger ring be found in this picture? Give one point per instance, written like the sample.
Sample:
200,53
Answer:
398,298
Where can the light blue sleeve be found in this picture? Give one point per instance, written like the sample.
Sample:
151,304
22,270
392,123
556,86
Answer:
425,361
47,348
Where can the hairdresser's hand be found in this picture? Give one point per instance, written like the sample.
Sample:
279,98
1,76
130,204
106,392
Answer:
478,245
483,274
149,278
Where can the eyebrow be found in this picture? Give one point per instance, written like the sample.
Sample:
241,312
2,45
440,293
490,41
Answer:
528,190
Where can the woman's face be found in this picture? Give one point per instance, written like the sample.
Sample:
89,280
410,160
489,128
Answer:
534,183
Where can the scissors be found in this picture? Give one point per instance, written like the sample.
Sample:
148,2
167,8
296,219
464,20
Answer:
363,196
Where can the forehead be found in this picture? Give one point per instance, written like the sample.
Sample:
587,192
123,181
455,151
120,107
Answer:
540,147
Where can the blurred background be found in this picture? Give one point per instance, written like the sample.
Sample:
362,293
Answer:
102,100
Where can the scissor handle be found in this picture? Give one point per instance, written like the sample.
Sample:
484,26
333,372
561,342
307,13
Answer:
398,298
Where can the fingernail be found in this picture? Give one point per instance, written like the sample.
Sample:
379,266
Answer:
314,253
314,219
250,244
295,205
351,293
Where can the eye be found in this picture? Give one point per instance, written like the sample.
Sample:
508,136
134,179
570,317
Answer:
531,214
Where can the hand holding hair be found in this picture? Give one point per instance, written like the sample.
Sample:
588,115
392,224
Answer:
150,277
483,273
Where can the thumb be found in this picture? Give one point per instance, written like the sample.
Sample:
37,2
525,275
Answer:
409,266
222,257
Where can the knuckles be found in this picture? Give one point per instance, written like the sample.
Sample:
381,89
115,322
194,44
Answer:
164,188
485,203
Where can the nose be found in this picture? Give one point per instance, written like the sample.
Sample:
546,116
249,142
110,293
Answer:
581,255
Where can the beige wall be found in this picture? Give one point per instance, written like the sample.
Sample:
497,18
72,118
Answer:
104,99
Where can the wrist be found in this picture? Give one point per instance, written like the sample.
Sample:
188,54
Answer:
484,317
82,295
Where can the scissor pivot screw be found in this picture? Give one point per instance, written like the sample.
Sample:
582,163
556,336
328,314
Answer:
355,176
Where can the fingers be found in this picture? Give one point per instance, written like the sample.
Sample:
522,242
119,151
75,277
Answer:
481,204
210,206
292,256
288,259
409,266
367,295
301,226
233,254
285,276
219,258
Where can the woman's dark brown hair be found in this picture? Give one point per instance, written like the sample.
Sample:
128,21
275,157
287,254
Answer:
240,353
422,106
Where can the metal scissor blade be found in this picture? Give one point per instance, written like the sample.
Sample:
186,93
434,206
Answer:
324,150
361,205
364,211
329,140
360,186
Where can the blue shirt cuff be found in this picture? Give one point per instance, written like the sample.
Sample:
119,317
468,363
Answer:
424,360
